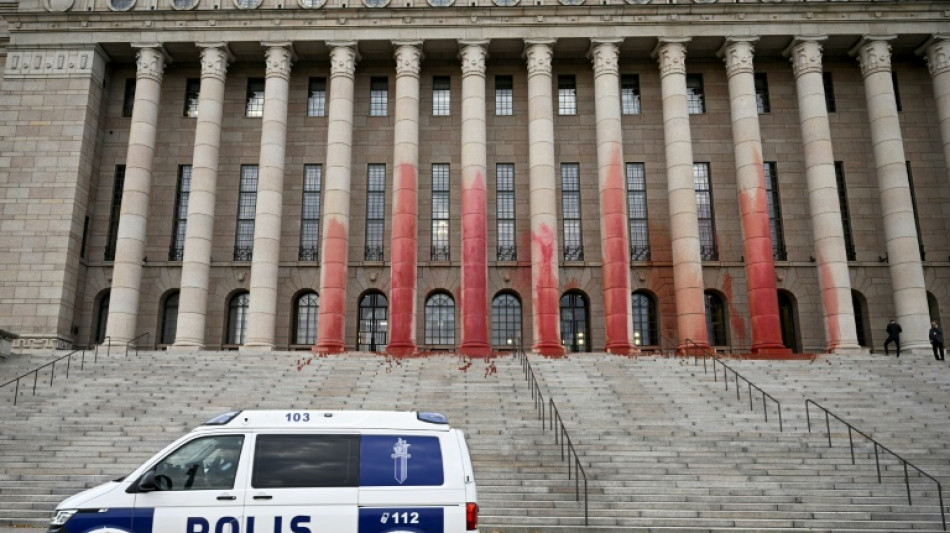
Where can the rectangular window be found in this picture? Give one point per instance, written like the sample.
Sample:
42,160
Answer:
128,98
440,212
504,95
378,96
704,212
762,93
177,250
775,211
695,94
913,203
897,91
317,98
566,95
375,211
302,461
254,103
845,211
441,96
505,211
571,211
118,185
637,212
310,218
829,92
247,211
192,92
630,94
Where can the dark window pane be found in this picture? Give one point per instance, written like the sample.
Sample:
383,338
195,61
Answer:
298,461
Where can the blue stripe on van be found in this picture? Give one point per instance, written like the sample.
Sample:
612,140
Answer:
402,520
400,461
115,520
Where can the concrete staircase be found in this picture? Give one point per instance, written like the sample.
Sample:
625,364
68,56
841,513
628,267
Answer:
664,446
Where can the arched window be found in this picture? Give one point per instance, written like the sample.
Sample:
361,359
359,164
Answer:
440,319
788,318
645,329
506,321
305,318
170,318
716,319
102,318
373,326
575,326
860,305
237,318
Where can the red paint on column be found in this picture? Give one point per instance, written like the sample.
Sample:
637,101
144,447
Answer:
616,260
333,289
403,262
475,268
829,299
546,297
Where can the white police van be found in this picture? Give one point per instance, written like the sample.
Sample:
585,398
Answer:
292,472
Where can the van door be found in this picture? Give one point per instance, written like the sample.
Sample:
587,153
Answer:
303,483
198,488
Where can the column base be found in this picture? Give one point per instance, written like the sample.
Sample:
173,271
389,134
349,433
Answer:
256,347
328,348
475,349
622,348
401,349
847,349
186,347
548,349
769,349
694,349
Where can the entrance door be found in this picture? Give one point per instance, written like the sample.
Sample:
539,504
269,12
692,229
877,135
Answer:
575,329
373,327
786,314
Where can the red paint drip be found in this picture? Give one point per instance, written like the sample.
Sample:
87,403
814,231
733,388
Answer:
545,294
333,289
616,262
475,268
829,299
403,264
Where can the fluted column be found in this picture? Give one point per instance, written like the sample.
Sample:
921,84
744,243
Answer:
336,204
475,312
753,200
262,308
688,284
402,303
133,218
834,281
897,207
614,241
196,264
543,199
938,61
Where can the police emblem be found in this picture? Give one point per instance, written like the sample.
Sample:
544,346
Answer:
400,458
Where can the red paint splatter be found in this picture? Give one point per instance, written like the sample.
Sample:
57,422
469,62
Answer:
403,263
475,268
829,300
616,260
546,296
332,289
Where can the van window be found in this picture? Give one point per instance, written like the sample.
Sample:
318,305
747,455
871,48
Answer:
299,461
400,460
208,463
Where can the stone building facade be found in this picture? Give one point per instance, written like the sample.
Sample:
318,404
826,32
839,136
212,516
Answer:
762,176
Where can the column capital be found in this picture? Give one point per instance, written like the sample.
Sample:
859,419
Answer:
805,55
473,56
937,54
739,55
150,62
408,58
343,58
539,53
605,56
671,56
279,58
214,60
874,54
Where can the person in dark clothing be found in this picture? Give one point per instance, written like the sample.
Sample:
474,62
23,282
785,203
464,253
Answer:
893,335
936,340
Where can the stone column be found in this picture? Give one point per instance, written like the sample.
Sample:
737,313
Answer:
938,61
545,301
614,241
688,284
133,218
402,303
262,309
196,264
475,313
336,199
834,281
753,199
897,207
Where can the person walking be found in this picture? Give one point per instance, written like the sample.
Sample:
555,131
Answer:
936,340
893,335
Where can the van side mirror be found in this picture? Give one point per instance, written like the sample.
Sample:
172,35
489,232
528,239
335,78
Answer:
146,483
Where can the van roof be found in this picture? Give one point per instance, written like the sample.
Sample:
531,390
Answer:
314,419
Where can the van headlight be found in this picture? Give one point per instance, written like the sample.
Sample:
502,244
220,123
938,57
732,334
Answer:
62,516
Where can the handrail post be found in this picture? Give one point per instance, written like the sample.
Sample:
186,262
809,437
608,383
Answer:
907,482
16,391
851,443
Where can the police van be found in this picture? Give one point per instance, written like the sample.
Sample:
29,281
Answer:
292,472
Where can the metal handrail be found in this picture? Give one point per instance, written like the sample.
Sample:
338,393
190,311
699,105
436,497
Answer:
725,379
561,435
36,372
146,335
877,459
